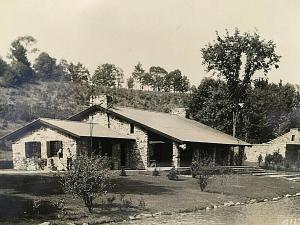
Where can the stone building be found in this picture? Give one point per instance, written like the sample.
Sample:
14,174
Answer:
45,143
132,138
162,139
288,145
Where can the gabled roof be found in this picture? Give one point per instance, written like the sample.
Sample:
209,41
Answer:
171,126
73,128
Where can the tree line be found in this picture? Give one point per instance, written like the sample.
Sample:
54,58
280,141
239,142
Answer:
237,103
47,68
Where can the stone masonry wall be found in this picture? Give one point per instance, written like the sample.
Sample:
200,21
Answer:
278,144
123,127
41,135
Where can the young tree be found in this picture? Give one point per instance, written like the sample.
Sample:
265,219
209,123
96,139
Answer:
224,58
106,75
88,178
138,74
130,83
119,77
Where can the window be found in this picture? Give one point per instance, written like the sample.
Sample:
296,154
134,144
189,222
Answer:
33,149
53,147
131,128
293,137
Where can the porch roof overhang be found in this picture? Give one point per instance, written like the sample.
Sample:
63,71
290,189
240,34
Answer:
72,128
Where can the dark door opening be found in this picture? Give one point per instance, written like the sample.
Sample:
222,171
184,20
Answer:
162,154
124,153
186,156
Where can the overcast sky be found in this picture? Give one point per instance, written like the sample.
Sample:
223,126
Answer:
167,33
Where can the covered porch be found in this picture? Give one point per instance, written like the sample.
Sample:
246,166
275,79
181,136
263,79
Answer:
163,152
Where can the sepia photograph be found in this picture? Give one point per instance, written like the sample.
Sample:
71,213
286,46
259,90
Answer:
150,112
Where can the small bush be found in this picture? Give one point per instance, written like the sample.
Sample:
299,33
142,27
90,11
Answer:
155,172
123,172
172,175
259,159
142,204
110,200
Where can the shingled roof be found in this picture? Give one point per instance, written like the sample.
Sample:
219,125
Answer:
73,128
171,126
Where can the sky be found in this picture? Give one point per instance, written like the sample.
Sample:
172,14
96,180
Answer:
166,33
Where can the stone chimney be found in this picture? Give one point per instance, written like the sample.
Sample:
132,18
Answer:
179,112
104,101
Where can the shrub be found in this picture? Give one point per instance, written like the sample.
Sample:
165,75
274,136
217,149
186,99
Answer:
142,204
123,172
259,159
110,200
276,159
202,170
172,175
88,178
155,172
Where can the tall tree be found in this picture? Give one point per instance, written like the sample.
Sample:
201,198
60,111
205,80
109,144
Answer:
224,58
138,74
21,70
78,73
45,67
106,75
158,77
210,104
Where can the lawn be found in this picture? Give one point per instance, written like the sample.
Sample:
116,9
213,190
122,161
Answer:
18,192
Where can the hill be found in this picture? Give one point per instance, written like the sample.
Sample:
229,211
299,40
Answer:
23,104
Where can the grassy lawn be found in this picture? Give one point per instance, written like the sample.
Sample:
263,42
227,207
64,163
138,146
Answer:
17,192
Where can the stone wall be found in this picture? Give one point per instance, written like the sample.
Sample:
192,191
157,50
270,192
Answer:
41,135
139,151
278,144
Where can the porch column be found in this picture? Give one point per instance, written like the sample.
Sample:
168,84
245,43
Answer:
116,155
230,150
214,154
176,155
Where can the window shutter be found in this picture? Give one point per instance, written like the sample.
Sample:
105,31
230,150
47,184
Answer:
48,149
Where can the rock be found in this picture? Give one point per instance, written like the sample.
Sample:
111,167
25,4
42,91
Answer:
298,194
238,203
70,223
138,217
252,201
157,214
207,208
265,200
131,217
231,203
45,223
114,209
85,224
275,199
146,215
288,195
242,203
215,206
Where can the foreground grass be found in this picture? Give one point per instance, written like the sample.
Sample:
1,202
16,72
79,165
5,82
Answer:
17,192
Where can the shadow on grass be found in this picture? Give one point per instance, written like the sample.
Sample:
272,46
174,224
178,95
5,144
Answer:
130,186
38,185
12,206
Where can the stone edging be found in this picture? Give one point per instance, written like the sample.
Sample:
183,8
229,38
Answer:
226,204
